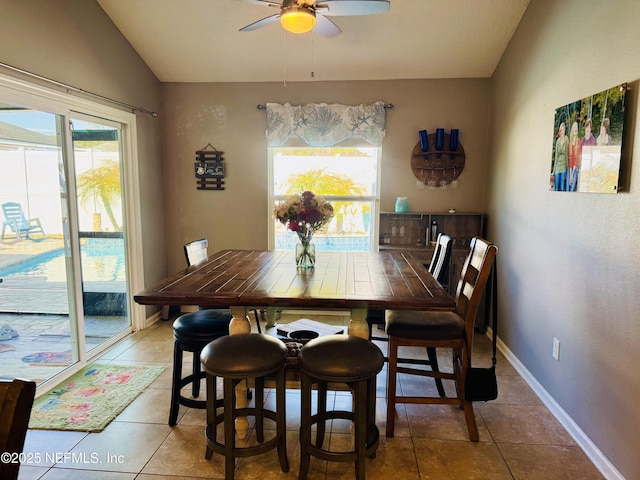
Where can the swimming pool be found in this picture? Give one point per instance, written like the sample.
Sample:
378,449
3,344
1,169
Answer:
102,260
326,243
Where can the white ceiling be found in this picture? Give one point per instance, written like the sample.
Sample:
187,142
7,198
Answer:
199,41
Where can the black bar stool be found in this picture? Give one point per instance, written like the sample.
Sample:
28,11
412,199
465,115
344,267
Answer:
346,360
191,333
235,358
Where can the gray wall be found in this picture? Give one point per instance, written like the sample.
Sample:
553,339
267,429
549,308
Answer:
567,261
74,42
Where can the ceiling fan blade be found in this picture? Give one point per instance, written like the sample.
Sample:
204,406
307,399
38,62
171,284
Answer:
352,7
325,27
261,23
266,3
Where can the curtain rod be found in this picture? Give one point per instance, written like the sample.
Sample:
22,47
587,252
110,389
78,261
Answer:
79,90
264,107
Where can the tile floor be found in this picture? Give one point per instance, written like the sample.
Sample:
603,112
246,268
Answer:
519,438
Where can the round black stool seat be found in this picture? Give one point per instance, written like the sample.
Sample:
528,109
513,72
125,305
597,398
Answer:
191,333
235,358
200,326
244,356
343,359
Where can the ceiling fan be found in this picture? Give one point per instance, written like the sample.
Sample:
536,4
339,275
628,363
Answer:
301,16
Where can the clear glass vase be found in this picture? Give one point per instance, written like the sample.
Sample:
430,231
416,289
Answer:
305,254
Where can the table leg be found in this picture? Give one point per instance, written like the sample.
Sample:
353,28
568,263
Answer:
271,316
358,326
240,324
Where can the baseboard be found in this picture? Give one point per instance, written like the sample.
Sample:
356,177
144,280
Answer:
155,318
602,463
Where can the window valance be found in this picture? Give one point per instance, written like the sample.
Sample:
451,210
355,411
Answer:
323,125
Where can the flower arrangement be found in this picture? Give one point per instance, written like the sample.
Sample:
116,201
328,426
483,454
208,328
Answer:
304,214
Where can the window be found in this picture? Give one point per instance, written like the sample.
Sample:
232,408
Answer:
347,176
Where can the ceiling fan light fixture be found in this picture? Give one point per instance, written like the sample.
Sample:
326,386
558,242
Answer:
298,19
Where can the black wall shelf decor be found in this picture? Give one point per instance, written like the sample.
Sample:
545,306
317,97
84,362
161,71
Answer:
209,168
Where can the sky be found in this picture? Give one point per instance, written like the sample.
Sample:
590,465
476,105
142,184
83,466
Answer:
41,122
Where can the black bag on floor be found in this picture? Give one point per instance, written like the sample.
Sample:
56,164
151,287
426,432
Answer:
481,384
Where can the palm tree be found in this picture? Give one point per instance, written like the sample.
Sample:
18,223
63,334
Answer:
102,184
321,182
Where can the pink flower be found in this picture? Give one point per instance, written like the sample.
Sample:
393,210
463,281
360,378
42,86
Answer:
78,407
304,214
78,418
115,379
90,392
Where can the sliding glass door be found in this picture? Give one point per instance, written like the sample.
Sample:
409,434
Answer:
63,262
35,324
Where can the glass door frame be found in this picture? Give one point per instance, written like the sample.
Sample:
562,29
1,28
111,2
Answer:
21,92
85,231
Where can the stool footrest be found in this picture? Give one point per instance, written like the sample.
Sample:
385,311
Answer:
220,448
332,414
192,403
373,439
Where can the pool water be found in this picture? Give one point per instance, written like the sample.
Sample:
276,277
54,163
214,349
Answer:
101,262
328,243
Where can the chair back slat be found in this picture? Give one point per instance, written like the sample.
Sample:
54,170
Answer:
473,279
196,251
439,266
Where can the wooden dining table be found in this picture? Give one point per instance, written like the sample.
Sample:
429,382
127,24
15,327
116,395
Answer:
355,281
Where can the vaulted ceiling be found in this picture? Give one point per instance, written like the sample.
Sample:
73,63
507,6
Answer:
199,41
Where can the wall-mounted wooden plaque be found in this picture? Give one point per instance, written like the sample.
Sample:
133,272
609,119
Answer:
209,169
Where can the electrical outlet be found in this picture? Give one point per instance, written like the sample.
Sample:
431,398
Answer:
556,349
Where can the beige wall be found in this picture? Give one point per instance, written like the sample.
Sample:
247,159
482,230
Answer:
568,264
74,42
226,116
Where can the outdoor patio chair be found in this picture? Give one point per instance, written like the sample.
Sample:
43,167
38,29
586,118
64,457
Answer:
18,224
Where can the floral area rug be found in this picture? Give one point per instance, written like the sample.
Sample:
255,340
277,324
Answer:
92,398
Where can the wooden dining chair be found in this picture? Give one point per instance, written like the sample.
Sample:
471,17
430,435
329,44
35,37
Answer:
439,268
196,251
441,329
16,400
